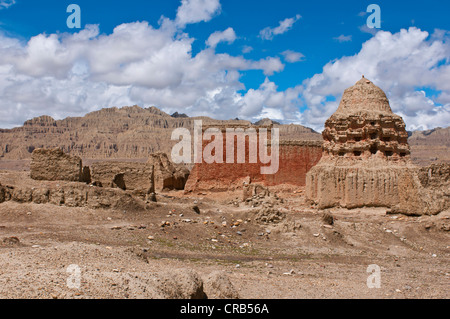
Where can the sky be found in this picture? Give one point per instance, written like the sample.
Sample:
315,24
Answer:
286,60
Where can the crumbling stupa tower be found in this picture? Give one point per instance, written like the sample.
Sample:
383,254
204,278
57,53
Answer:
366,157
364,127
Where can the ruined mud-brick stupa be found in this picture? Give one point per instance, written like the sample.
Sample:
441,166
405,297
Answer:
366,157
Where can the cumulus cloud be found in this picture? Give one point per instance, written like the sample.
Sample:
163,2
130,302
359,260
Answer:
5,4
267,100
193,11
221,36
71,74
399,63
292,56
285,25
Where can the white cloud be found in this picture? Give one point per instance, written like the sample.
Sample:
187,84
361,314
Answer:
5,4
265,100
364,28
193,11
343,38
399,63
292,56
285,25
221,36
70,74
247,49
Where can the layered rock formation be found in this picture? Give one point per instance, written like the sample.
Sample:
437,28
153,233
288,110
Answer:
120,133
366,158
430,147
53,165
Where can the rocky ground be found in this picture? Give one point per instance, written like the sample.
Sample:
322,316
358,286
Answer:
216,244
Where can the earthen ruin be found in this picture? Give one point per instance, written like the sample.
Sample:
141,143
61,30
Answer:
366,158
54,164
126,176
296,158
157,174
166,174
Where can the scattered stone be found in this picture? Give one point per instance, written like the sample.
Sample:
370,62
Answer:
196,209
328,218
269,215
11,241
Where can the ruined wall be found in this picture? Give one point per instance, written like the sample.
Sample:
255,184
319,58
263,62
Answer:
72,195
166,174
127,176
52,165
295,159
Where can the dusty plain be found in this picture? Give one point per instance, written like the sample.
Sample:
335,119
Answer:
296,254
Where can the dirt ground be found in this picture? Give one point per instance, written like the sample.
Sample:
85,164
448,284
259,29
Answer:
298,255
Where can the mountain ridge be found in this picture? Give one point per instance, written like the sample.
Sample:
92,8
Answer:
126,132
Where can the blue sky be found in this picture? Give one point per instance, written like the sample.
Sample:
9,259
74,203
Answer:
288,60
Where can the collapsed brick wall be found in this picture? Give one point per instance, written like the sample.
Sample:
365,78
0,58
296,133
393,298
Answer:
296,158
54,164
166,174
127,176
